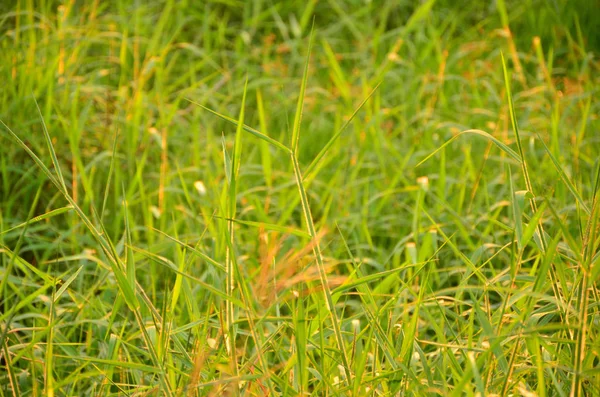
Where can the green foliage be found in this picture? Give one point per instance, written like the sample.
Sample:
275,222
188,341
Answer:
299,198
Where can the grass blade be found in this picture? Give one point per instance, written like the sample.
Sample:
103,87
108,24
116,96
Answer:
484,134
321,268
246,128
300,104
66,284
271,226
565,178
39,218
335,137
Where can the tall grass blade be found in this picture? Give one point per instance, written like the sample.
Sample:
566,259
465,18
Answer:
523,162
300,104
321,268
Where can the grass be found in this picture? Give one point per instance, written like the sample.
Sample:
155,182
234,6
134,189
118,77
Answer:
299,198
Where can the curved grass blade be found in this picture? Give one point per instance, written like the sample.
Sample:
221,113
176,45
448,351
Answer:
193,250
565,178
246,128
505,148
38,218
61,179
329,144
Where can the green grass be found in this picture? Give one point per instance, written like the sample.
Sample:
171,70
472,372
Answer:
329,197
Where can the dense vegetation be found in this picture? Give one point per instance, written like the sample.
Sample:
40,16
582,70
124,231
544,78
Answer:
279,198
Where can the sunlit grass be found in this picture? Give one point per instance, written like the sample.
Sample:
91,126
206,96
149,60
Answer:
205,198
